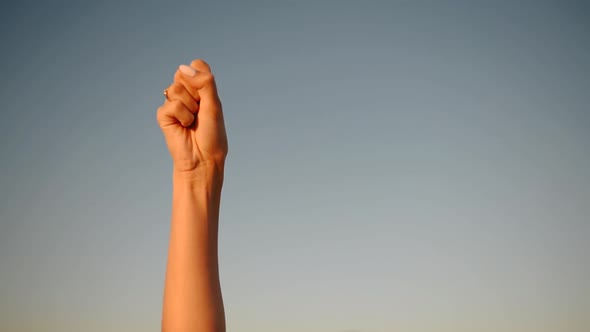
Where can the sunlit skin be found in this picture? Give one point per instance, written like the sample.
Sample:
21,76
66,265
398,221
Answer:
193,127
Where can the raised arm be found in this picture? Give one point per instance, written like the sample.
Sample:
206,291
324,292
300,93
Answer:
192,122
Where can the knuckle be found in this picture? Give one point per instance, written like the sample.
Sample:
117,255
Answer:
176,105
176,88
160,113
178,76
200,62
161,109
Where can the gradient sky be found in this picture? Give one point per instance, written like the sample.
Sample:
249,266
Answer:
393,166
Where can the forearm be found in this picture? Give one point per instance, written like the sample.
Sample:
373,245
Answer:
192,294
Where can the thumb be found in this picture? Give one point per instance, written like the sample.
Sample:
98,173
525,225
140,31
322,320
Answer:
201,84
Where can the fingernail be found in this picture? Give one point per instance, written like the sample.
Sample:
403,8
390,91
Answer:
188,71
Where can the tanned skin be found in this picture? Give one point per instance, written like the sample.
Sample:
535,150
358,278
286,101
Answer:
193,127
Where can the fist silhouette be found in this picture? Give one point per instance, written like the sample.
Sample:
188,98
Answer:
191,119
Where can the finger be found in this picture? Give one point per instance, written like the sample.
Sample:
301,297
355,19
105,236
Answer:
174,112
177,91
193,91
203,81
200,65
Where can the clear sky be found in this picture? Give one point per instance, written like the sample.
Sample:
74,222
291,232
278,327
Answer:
393,166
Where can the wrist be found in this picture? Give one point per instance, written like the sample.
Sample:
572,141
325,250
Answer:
206,172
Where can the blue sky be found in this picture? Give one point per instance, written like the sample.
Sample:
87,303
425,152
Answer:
401,165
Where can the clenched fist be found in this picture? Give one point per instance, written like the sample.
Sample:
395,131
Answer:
191,119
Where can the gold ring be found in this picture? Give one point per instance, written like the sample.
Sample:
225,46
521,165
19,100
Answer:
166,94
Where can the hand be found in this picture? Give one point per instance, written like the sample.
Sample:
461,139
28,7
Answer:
192,119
